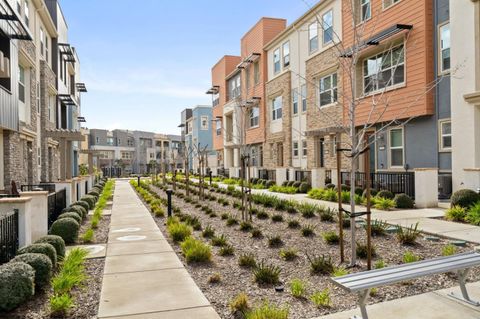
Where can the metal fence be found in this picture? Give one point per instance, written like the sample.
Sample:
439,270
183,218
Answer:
396,182
328,176
267,174
56,202
8,236
38,187
303,176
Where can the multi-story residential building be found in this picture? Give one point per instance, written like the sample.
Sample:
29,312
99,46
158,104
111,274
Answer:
464,59
175,153
145,152
302,99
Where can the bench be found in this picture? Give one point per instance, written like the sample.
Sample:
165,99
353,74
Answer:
361,283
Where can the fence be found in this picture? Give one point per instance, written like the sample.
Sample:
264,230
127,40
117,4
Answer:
56,202
328,176
396,182
112,171
8,236
39,187
267,174
303,176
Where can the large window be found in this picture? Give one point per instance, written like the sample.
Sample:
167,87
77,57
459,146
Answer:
256,73
204,123
328,89
365,10
234,87
327,22
303,93
312,37
27,14
254,116
445,135
444,47
277,108
295,101
21,84
295,148
218,127
286,53
396,147
276,60
384,70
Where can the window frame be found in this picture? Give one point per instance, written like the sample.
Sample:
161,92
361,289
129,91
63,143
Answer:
42,42
22,70
311,39
441,135
295,96
254,119
218,128
441,50
286,57
277,111
235,90
295,151
396,147
325,30
364,3
303,95
256,73
392,3
332,89
276,61
204,125
304,148
26,12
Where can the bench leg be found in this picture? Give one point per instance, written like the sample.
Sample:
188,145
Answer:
362,303
462,279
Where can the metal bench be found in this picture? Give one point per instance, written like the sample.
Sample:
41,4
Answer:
362,282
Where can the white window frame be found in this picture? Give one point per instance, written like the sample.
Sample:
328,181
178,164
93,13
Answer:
303,94
22,69
42,42
218,127
327,28
312,37
333,89
254,117
256,73
441,49
234,87
286,54
304,148
26,9
295,149
390,148
276,61
368,4
204,123
441,135
295,101
391,3
277,108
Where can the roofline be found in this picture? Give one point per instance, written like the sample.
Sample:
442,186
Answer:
224,58
260,20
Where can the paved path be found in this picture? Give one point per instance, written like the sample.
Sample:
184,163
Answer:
432,305
143,277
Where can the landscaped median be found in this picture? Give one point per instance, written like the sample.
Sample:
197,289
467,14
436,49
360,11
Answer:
280,261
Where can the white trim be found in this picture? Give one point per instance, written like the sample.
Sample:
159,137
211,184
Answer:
389,148
441,148
439,49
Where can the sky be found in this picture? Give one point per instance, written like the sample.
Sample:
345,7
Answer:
144,61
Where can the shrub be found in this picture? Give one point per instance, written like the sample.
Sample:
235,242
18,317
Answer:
384,203
88,236
321,265
464,198
262,215
60,305
321,298
40,263
340,271
456,213
256,233
224,216
231,221
378,227
449,250
246,226
331,237
239,304
226,250
403,201
373,193
290,183
268,311
71,215
269,183
408,236
208,232
82,203
56,241
288,254
16,284
298,288
90,200
304,187
293,223
308,230
43,248
195,251
327,214
79,210
379,264
362,250
473,215
330,194
215,278
385,194
67,228
179,232
410,257
315,193
307,210
266,273
283,189
277,218
219,241
275,241
247,260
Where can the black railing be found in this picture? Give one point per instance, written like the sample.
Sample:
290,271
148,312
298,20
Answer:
86,187
267,174
56,202
328,176
8,236
303,176
396,182
223,172
43,187
9,195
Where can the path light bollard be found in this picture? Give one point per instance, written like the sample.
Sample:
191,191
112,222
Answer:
138,182
210,175
169,202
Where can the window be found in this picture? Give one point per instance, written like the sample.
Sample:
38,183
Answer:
365,10
19,7
47,58
327,20
286,54
256,73
51,108
216,99
312,37
277,108
189,128
276,60
218,127
234,89
445,47
97,140
42,42
130,142
254,115
109,140
396,147
295,101
253,156
21,84
388,3
27,14
384,70
204,122
247,77
126,155
328,89
445,135
119,142
304,97
295,149
304,148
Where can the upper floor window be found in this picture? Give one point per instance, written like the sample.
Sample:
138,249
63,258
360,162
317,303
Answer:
27,13
247,77
327,22
384,70
189,128
254,116
130,142
204,122
97,140
396,147
295,101
328,89
256,73
445,47
365,10
445,135
277,108
312,37
276,60
304,97
21,84
119,142
286,53
216,99
388,3
295,148
234,88
109,140
304,148
218,127
42,42
19,6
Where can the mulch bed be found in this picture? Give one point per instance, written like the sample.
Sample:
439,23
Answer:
101,232
236,279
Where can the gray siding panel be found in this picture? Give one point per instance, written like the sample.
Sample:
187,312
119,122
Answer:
9,100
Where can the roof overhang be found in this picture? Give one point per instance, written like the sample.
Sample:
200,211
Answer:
81,87
213,90
70,135
66,99
248,60
66,51
377,38
11,25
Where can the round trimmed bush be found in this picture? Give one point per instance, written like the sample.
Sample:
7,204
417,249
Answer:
90,200
385,194
269,183
304,187
373,193
296,184
17,284
464,198
42,248
81,203
345,188
71,215
359,191
330,186
77,210
67,228
94,193
56,241
82,209
403,201
290,183
40,263
285,183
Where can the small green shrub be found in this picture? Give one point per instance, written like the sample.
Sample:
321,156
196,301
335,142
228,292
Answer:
56,241
288,254
179,231
90,200
88,236
60,305
247,260
67,228
379,264
298,288
293,223
219,241
275,241
403,201
71,215
340,271
42,248
16,284
283,189
304,188
330,194
308,230
277,218
456,213
327,214
383,203
215,278
226,250
362,250
262,215
231,221
266,273
239,304
385,194
208,232
246,226
408,236
378,227
224,216
268,311
473,215
410,257
321,265
82,203
321,298
331,237
449,250
464,198
256,233
307,210
195,251
77,209
40,263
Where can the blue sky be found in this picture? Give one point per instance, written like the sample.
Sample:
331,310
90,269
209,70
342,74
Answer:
143,61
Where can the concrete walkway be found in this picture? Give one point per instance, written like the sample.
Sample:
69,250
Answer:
432,305
143,277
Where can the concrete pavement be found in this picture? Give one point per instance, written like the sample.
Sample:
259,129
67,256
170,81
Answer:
143,277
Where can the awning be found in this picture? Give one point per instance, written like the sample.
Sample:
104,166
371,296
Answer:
326,131
377,38
67,52
81,87
66,99
70,135
11,25
249,59
213,90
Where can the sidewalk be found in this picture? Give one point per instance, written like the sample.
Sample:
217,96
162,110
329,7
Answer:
143,277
